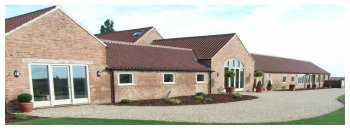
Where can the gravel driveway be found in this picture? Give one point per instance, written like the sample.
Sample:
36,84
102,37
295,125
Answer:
269,107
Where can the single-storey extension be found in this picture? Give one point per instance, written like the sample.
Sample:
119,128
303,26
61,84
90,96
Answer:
284,71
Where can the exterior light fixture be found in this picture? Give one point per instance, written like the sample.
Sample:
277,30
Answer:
98,73
16,73
217,73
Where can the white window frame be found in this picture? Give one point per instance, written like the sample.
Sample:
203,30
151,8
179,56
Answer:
174,78
52,101
126,84
292,77
197,79
283,78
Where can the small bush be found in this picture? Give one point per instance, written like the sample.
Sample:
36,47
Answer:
21,116
269,84
230,73
125,101
200,94
283,87
199,97
237,95
259,74
208,100
174,101
24,97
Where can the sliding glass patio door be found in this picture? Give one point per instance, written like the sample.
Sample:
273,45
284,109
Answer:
59,84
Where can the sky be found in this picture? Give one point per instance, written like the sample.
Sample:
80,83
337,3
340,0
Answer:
311,32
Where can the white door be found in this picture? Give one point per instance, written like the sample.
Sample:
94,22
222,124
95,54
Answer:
61,85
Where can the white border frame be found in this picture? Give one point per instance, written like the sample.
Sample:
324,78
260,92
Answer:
51,102
126,84
286,78
234,79
174,78
200,81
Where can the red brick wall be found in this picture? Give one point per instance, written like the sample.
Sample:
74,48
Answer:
54,36
234,49
149,85
147,38
278,84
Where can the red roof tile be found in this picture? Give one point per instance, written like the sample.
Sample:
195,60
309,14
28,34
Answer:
284,65
14,22
125,35
205,47
143,57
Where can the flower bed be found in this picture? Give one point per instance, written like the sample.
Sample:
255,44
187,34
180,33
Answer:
189,100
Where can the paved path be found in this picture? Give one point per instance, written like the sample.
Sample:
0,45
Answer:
269,107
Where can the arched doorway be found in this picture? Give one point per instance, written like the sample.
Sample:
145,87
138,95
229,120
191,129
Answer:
238,81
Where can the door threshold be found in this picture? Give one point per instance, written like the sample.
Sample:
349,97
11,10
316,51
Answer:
62,105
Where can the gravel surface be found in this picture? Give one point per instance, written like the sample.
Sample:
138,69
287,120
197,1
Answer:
269,107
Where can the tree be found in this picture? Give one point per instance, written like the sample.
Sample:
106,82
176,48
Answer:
107,26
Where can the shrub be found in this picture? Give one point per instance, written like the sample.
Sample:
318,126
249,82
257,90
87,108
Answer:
24,97
291,85
21,116
259,83
199,97
283,87
259,74
269,84
236,95
125,101
174,101
200,94
221,90
208,100
230,73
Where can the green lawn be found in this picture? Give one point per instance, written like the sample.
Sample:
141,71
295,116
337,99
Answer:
333,118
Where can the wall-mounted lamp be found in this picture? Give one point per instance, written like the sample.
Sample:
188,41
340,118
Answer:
98,73
217,73
16,73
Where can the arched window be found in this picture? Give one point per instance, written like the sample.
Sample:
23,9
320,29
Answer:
238,67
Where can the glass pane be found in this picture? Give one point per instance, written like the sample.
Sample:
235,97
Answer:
226,79
242,78
60,82
234,63
125,78
237,78
40,80
200,77
168,78
80,82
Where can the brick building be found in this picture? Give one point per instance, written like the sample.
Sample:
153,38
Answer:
283,71
49,55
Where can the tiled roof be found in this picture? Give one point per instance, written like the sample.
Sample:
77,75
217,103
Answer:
14,22
125,35
147,58
284,65
205,47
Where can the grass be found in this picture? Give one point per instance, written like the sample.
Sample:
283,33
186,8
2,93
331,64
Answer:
333,118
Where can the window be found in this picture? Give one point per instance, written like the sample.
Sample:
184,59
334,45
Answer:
318,78
322,78
126,79
40,82
138,33
301,78
284,79
80,82
169,78
200,78
292,79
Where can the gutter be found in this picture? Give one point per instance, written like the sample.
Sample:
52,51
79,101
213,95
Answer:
112,87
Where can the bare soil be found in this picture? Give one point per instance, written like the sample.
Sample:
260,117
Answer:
188,100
